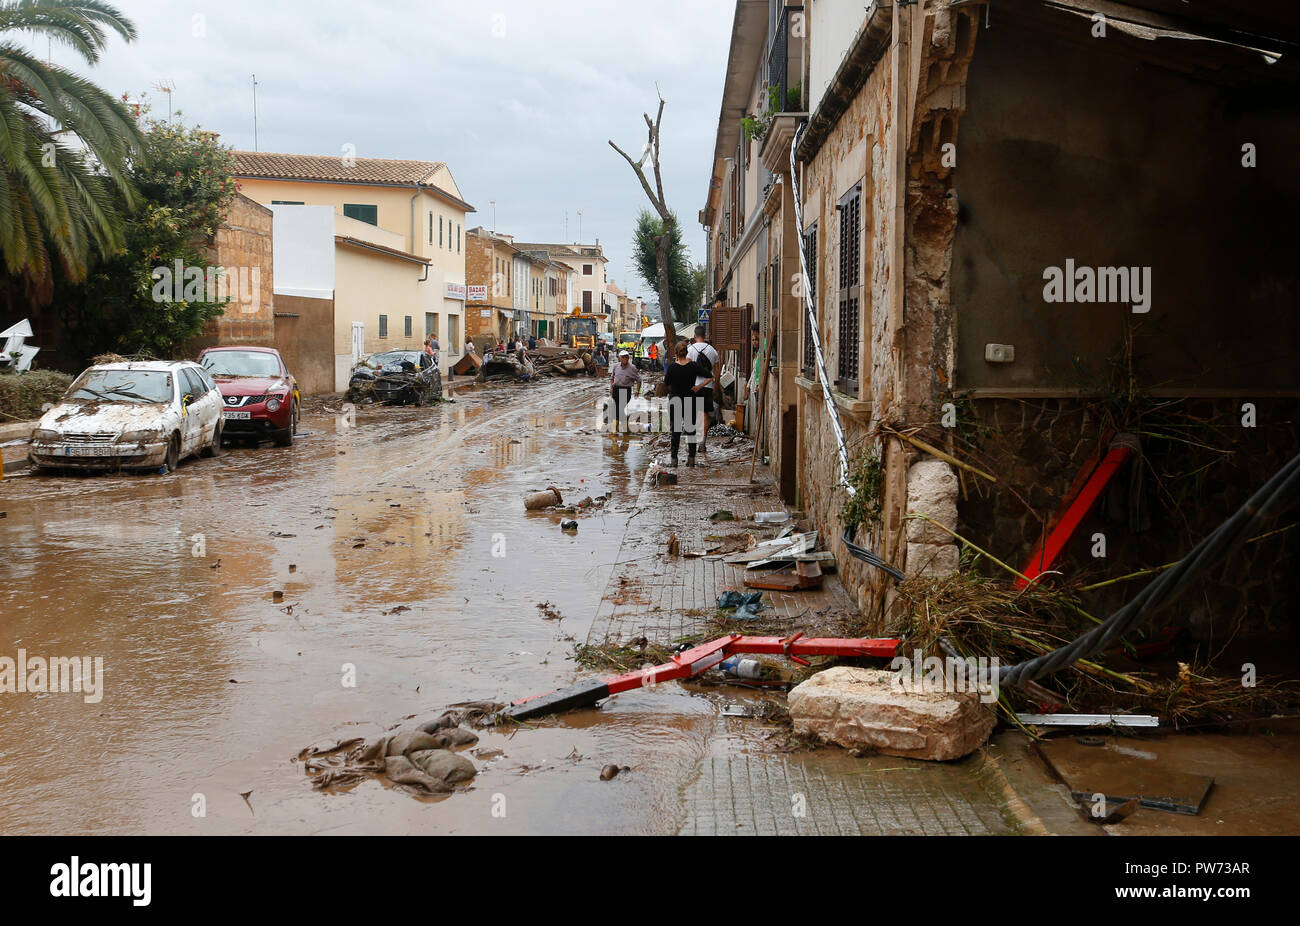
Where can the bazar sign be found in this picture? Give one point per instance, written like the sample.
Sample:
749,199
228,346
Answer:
455,291
478,294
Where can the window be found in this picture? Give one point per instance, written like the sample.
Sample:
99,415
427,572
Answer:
586,270
810,285
439,231
457,237
431,228
847,344
430,323
408,326
191,385
586,301
362,213
453,333
383,326
286,202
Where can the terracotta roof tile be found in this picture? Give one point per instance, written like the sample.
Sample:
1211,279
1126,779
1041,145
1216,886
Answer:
332,168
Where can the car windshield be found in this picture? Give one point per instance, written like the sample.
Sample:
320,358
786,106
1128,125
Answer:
390,357
133,386
241,363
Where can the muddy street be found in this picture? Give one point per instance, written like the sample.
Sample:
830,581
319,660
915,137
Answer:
381,539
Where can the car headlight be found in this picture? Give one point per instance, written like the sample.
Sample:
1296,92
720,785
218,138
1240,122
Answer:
45,434
137,437
273,404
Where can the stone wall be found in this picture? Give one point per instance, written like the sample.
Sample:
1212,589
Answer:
907,346
243,247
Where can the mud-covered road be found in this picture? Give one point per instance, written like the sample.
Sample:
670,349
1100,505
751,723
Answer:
381,539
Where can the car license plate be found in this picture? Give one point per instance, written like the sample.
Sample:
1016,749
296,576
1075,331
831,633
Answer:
243,416
87,450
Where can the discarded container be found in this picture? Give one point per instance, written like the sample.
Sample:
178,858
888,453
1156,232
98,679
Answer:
742,668
568,525
546,499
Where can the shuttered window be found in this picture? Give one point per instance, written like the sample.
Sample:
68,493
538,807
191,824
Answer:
810,287
848,344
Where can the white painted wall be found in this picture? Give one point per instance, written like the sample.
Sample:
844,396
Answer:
832,27
302,238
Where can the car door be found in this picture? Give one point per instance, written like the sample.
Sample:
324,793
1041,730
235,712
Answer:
212,404
192,411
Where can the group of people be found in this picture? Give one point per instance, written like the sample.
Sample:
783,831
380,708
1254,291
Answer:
691,380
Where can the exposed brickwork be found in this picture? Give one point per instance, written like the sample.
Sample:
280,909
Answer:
243,245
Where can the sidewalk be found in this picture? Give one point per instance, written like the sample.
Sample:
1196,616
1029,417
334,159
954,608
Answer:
748,784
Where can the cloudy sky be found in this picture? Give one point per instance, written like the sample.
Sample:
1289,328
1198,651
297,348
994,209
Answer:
519,98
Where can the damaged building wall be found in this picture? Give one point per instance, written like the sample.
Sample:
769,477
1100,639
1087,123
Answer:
1119,152
907,221
1097,152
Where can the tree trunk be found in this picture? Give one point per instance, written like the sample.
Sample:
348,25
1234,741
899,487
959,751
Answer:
663,247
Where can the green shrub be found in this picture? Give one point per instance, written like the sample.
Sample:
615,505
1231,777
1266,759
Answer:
22,395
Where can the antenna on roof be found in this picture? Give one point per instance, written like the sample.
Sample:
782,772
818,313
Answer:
254,112
166,86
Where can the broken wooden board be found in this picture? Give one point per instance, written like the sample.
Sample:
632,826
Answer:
1124,772
805,576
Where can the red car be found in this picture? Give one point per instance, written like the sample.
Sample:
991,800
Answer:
259,397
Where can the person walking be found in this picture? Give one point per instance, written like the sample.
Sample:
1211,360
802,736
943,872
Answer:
684,404
705,358
622,378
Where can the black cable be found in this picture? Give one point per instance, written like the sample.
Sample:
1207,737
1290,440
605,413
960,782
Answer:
1277,495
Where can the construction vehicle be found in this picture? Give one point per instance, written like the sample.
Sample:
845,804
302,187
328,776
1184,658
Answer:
579,330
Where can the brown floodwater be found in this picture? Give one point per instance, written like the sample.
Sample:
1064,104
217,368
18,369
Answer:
381,539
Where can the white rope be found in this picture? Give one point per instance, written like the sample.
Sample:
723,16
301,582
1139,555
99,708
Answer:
812,328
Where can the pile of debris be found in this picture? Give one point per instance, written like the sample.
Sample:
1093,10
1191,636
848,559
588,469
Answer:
968,615
420,758
562,361
504,366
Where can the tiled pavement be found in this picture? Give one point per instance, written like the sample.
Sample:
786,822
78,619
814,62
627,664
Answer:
741,789
668,598
831,793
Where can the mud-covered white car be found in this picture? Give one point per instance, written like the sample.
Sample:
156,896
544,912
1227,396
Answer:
143,416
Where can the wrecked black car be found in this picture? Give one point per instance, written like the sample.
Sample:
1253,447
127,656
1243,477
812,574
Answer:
395,377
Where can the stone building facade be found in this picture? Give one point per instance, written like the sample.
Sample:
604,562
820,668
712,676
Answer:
948,160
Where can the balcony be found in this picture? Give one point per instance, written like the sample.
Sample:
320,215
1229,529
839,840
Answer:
785,62
785,97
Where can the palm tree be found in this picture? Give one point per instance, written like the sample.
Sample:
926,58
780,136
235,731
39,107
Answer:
65,144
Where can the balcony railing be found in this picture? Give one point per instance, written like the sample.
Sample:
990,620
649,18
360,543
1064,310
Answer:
784,62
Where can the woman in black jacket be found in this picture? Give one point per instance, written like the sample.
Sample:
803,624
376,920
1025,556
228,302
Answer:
684,404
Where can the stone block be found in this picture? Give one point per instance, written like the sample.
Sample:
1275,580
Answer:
863,709
932,490
926,559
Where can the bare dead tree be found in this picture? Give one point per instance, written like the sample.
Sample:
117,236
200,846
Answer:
663,242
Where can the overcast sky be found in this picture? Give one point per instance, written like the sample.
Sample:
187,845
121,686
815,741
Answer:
519,98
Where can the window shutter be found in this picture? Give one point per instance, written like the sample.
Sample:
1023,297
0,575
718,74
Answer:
848,344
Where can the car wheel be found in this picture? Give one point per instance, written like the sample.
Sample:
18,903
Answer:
214,449
173,454
283,438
